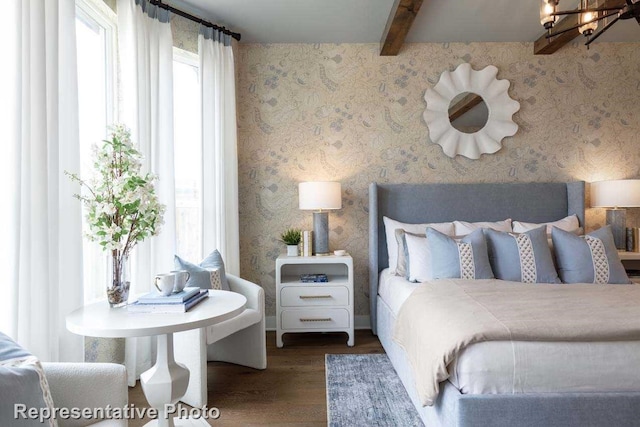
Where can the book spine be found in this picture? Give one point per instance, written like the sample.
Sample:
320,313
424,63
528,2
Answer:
197,301
304,243
171,299
307,243
168,308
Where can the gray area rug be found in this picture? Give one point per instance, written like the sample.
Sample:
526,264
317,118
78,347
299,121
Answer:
364,390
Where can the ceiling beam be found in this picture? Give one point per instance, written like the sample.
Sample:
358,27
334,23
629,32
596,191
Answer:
464,105
545,46
400,19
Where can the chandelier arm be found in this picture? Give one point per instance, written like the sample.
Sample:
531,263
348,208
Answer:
599,33
575,11
579,25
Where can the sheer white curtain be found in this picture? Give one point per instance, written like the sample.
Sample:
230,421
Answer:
41,244
219,147
146,57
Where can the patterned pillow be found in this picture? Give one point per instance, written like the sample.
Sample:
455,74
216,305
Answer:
209,274
22,382
215,276
466,258
592,258
521,257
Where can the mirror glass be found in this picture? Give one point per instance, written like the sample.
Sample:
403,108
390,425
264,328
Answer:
468,112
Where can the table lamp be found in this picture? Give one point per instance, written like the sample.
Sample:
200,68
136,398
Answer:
320,196
614,195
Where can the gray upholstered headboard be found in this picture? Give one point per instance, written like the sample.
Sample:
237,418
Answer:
421,203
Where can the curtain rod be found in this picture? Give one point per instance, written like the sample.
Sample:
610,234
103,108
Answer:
195,18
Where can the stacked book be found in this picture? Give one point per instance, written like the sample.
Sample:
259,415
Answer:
306,243
314,278
179,302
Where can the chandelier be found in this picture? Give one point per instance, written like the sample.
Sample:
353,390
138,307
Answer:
589,13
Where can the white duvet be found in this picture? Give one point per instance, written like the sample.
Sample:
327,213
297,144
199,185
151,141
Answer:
499,367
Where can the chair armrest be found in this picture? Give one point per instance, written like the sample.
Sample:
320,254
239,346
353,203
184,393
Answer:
87,385
253,292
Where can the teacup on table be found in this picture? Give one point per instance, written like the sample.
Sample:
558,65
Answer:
181,279
165,283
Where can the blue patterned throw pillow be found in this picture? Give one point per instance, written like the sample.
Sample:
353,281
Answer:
592,258
459,259
23,386
523,257
207,274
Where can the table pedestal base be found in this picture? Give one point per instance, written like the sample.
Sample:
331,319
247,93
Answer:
166,382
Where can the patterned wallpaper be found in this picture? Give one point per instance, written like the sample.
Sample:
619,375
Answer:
342,112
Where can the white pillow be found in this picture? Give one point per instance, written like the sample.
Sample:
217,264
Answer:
463,228
390,226
418,258
569,224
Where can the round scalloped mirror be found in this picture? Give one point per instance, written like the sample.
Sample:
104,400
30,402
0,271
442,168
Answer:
463,92
468,112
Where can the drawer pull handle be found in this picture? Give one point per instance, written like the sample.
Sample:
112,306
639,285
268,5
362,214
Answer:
314,296
328,319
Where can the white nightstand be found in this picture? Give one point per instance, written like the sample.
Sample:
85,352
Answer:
314,307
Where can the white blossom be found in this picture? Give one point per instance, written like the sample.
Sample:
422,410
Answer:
114,189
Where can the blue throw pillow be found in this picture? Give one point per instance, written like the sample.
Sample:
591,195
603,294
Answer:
200,275
459,259
22,383
523,257
592,258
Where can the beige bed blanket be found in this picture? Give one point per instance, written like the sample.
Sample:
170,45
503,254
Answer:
442,317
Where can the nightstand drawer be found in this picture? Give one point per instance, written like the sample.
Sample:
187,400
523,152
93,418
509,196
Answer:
314,295
315,319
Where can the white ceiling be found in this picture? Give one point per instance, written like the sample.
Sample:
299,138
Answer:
363,21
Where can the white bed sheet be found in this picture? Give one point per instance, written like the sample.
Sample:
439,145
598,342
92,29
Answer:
499,367
394,290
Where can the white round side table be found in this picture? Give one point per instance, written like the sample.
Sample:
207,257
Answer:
166,382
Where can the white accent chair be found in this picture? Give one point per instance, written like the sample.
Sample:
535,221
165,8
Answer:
241,341
87,385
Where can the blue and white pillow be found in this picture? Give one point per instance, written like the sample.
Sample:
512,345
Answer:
209,274
592,258
22,382
524,257
466,258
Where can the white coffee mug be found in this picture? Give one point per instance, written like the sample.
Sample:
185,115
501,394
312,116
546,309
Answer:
164,283
182,277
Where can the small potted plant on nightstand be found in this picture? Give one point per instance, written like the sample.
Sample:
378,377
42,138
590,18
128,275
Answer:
291,237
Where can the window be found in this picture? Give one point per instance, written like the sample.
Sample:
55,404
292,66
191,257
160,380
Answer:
187,154
96,43
95,34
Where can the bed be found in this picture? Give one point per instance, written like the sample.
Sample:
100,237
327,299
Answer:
478,404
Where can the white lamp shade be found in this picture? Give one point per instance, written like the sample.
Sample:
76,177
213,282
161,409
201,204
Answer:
623,193
319,195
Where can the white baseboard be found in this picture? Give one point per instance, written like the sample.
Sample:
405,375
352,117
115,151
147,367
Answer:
360,322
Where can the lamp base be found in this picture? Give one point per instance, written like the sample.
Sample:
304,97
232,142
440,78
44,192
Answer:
321,233
617,219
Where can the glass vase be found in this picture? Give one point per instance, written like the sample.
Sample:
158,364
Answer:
118,277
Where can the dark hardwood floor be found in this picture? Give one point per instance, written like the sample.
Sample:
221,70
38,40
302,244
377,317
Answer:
291,391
